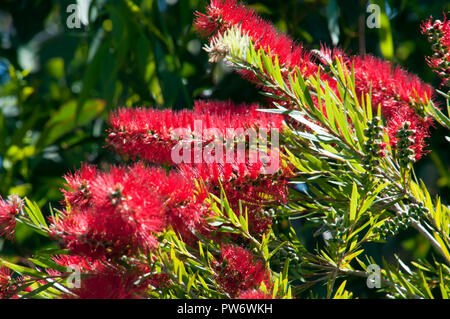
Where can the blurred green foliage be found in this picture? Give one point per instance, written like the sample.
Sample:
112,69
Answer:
62,71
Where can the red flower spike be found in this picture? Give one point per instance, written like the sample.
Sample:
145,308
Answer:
237,271
5,282
246,182
125,208
438,33
110,283
223,14
254,294
393,88
152,134
8,212
121,216
396,92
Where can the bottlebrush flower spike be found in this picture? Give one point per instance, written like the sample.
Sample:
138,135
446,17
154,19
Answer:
112,282
238,271
254,294
401,96
389,84
221,15
184,208
5,282
122,215
232,20
438,33
78,192
84,264
152,134
244,181
8,212
118,212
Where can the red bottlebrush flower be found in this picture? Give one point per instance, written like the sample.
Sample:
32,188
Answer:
122,216
223,14
244,181
391,87
438,33
124,209
159,281
78,193
5,283
237,271
156,135
184,210
398,93
146,133
254,294
8,211
84,264
110,283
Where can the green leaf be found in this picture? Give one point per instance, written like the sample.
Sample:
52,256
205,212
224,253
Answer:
273,252
39,290
22,270
353,203
63,121
425,285
340,291
442,285
35,211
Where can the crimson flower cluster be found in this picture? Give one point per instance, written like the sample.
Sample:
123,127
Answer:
239,274
438,33
400,94
224,14
122,211
102,279
254,294
5,278
149,134
8,212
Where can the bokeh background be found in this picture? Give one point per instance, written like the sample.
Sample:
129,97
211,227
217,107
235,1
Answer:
64,65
